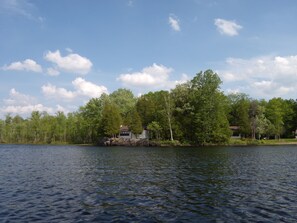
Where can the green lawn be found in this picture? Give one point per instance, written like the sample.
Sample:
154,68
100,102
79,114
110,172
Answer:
262,141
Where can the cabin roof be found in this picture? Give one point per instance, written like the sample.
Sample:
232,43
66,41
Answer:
124,128
234,127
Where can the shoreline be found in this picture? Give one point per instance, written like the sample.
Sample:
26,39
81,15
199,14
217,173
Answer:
113,142
175,143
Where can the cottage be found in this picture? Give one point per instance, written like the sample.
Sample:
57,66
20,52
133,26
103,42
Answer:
125,133
235,132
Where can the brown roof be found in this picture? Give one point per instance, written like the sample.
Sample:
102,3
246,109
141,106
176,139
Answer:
124,129
234,127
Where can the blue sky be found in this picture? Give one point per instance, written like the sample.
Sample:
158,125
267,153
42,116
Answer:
56,55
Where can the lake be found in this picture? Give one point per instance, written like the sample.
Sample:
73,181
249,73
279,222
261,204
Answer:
122,184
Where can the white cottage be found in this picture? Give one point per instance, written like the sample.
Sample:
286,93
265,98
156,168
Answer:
125,133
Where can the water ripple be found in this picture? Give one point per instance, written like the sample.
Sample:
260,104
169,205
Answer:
88,184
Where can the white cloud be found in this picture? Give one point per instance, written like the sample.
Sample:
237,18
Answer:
149,76
233,91
22,8
87,88
152,77
72,63
52,91
69,50
269,88
26,109
26,65
62,109
174,23
184,79
52,71
17,98
82,87
263,77
22,104
225,27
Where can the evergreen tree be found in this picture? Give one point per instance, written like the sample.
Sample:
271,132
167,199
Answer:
134,123
111,119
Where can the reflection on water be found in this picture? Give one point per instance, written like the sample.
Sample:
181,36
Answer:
105,184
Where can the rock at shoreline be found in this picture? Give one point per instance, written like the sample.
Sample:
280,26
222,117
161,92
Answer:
125,142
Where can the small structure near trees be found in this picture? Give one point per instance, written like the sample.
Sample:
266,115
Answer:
235,132
126,133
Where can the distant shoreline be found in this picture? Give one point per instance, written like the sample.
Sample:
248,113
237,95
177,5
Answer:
168,143
175,143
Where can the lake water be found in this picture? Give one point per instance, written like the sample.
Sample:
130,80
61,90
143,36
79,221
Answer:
117,184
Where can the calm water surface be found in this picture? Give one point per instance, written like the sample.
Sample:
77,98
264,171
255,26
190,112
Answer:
116,184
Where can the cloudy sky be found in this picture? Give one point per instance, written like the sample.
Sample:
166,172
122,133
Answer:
56,55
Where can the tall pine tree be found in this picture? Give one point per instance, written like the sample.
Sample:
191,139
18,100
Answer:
111,120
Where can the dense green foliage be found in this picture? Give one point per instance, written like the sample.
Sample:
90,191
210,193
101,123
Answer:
196,112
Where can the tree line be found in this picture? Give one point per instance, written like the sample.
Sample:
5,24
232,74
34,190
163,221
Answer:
196,112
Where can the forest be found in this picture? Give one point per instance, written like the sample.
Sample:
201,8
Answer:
196,112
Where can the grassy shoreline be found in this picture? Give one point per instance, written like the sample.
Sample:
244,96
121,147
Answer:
262,142
232,142
175,143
